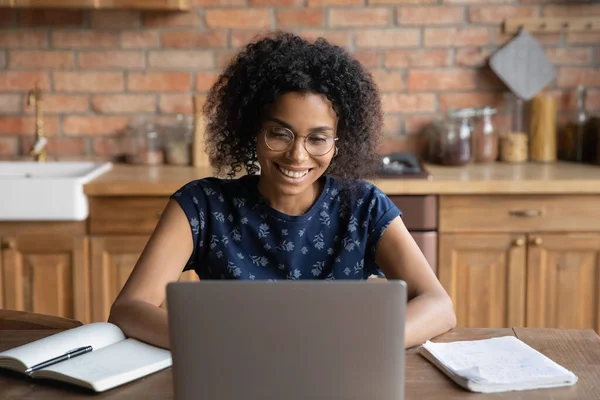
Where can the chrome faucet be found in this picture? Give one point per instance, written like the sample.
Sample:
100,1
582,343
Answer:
38,150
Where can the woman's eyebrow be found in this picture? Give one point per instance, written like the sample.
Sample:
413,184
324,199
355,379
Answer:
286,125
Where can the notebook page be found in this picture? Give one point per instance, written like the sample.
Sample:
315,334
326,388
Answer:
98,335
113,365
502,360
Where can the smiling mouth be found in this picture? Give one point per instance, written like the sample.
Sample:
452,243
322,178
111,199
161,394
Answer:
292,174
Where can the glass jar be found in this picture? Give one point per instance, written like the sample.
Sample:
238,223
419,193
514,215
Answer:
455,141
146,145
485,146
178,149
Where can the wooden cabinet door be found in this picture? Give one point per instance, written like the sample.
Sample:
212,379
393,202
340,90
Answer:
563,281
113,260
46,274
484,274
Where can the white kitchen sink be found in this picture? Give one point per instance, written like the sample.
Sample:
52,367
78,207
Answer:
46,191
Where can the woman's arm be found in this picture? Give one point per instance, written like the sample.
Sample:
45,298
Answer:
429,310
137,308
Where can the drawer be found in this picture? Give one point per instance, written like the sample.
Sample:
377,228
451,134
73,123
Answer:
115,214
520,213
419,213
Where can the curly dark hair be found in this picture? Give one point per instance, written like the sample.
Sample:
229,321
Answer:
281,62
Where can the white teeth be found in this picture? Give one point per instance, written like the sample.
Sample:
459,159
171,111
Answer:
293,174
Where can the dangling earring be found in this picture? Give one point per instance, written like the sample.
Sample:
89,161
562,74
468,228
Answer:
336,152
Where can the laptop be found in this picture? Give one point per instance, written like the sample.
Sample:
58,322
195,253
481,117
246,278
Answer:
292,340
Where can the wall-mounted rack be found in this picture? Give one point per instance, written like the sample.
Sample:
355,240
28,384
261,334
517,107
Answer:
552,24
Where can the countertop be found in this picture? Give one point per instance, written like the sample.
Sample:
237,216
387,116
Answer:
495,178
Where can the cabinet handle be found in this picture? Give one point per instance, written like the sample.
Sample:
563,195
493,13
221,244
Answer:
536,241
519,242
525,213
8,245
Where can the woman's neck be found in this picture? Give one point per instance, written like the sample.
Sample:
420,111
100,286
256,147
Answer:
293,205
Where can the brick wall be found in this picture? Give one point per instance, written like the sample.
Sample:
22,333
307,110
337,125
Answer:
99,68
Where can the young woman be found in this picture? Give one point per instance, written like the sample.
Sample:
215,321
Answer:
303,119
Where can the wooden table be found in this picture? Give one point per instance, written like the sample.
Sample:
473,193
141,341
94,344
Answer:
576,350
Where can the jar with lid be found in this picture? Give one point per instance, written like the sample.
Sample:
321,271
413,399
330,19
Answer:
146,145
455,140
178,149
485,143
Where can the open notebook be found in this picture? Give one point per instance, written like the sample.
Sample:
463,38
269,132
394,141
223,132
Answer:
498,364
113,361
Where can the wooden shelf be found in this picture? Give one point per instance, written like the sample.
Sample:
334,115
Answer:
175,5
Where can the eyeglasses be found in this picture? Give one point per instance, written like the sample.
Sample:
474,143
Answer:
281,139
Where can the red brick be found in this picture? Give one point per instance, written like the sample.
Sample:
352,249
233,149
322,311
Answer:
497,14
88,81
139,39
593,100
7,17
417,58
223,58
368,58
387,38
592,38
472,57
362,17
299,17
392,124
276,3
79,126
115,19
455,36
396,143
159,19
403,2
415,124
41,59
84,39
238,18
334,3
443,79
488,80
469,99
123,103
571,10
242,38
205,80
407,103
13,81
221,3
182,39
59,104
569,56
108,146
26,125
111,59
175,104
185,59
573,76
59,146
159,81
337,37
48,17
10,103
388,81
23,39
430,15
8,145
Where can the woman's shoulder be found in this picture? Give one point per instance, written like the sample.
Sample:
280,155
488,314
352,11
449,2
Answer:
355,189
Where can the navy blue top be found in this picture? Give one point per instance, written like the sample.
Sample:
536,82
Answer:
237,235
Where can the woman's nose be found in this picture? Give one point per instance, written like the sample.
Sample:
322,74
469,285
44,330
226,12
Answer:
297,150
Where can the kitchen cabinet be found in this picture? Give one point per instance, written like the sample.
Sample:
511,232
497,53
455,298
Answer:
522,260
44,268
101,4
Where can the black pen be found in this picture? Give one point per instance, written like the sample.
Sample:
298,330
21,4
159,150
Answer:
68,355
